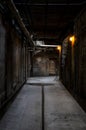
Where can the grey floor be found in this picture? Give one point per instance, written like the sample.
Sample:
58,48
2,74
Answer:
61,111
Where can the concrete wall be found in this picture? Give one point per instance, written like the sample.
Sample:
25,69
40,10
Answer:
44,64
80,48
13,59
2,59
66,63
73,62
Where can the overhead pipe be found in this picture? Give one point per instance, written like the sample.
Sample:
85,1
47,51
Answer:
52,4
14,11
46,45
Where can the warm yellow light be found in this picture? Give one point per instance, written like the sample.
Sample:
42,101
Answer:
59,47
72,39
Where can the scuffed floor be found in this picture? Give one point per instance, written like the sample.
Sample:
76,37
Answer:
44,104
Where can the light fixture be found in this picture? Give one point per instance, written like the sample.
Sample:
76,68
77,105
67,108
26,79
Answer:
72,39
59,47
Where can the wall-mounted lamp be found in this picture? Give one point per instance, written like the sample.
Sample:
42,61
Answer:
72,39
59,47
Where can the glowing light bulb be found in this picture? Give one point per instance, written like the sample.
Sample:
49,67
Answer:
72,39
59,47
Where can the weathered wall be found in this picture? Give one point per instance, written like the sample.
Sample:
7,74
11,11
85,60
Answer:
28,63
2,59
73,64
13,60
66,63
80,51
44,64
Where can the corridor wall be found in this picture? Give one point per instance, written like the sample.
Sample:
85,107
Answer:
46,64
80,53
73,62
13,58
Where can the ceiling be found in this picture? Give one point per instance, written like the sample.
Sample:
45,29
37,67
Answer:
49,20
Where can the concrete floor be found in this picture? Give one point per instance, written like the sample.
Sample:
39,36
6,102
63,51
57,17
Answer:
61,111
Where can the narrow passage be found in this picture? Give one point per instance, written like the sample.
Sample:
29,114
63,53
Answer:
44,104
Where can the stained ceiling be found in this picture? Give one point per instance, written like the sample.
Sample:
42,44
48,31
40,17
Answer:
49,20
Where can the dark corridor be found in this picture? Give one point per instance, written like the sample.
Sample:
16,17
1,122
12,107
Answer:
43,49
